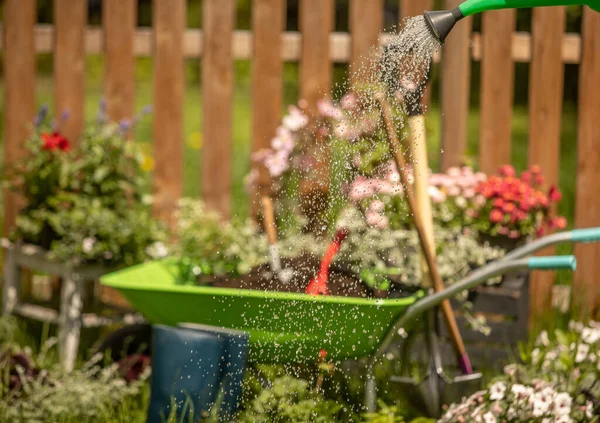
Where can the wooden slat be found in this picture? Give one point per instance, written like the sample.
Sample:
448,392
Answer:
217,98
316,24
119,19
546,79
410,8
586,290
70,17
456,76
366,22
268,22
169,25
339,44
497,82
19,90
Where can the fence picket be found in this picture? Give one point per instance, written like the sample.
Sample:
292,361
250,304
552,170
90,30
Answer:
456,78
586,290
268,23
19,90
316,23
366,22
119,18
169,26
69,64
217,100
545,111
497,82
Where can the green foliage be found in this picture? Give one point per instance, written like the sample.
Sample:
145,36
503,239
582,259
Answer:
208,245
84,204
290,400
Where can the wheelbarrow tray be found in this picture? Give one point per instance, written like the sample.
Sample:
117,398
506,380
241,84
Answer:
283,327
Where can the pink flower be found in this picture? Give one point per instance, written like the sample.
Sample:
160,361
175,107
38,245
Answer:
498,202
260,155
453,172
377,206
283,140
437,179
469,193
509,207
453,191
526,176
361,188
503,230
295,120
479,200
376,220
539,179
480,177
328,109
496,216
277,163
349,101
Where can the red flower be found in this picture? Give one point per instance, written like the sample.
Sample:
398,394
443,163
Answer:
498,202
507,170
526,176
496,216
560,222
554,194
509,207
535,169
543,199
322,354
509,196
55,141
539,179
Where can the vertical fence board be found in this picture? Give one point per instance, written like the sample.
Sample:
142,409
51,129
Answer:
546,79
217,98
316,23
70,18
119,18
410,8
497,82
456,77
19,90
268,22
169,25
366,22
586,290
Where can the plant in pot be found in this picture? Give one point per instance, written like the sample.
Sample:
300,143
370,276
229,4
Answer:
85,204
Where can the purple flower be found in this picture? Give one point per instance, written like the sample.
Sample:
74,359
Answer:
41,115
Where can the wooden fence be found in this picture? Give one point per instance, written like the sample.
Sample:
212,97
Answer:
547,48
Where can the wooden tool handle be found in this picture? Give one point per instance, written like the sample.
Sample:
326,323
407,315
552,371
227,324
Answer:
269,219
426,246
418,146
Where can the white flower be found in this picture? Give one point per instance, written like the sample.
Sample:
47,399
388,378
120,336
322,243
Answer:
535,356
497,391
589,409
575,326
277,163
562,404
88,244
563,419
590,335
157,250
437,196
489,417
543,339
521,390
461,202
582,352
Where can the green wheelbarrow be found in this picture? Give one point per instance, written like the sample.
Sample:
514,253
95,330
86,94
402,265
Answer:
295,328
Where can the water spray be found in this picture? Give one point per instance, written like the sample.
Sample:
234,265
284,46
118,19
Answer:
441,22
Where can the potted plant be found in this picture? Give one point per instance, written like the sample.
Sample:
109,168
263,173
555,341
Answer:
84,213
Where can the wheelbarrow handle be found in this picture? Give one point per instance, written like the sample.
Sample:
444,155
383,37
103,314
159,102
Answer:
578,235
474,279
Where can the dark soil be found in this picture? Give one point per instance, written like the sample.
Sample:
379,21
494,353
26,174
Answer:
342,282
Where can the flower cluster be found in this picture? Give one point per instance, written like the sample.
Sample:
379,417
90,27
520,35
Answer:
517,206
558,382
84,204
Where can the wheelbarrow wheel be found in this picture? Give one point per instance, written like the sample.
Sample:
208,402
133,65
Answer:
130,347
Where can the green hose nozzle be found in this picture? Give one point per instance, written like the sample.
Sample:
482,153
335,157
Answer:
441,22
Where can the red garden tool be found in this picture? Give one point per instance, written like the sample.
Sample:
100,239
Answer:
318,285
